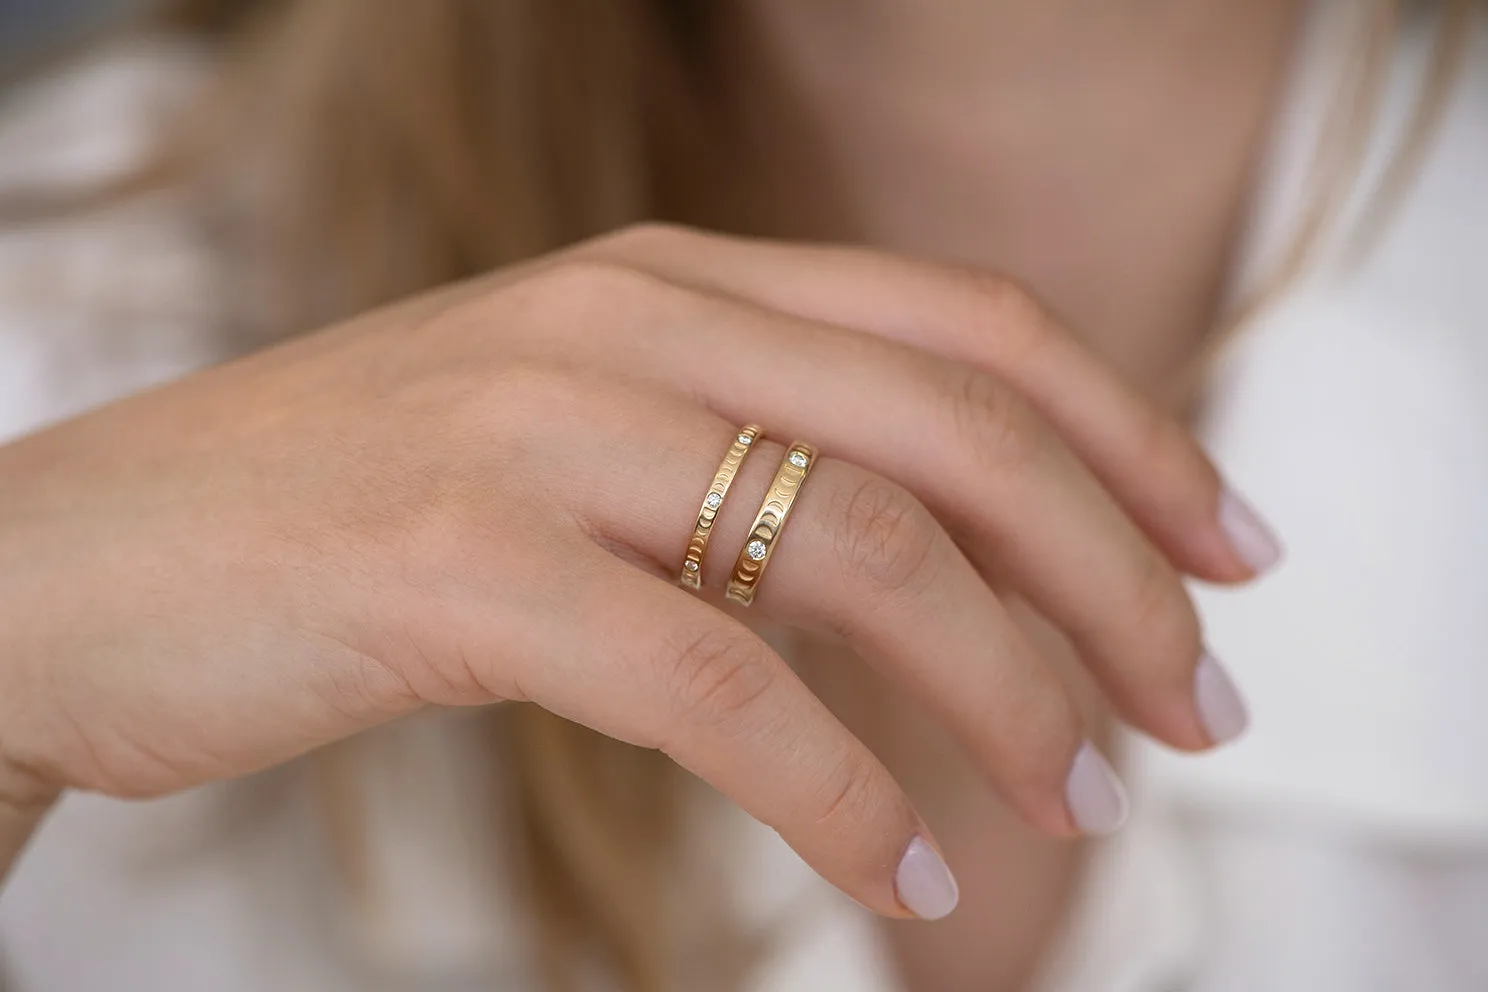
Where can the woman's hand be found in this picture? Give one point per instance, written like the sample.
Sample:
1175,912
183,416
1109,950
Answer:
485,494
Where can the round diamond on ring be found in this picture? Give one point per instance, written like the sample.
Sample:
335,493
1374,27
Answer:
756,550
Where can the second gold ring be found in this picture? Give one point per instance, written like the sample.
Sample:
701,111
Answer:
770,521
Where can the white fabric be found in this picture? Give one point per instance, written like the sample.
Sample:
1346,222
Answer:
1204,899
1341,845
1355,413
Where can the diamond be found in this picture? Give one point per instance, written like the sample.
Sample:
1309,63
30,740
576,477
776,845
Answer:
714,501
798,459
745,439
756,550
691,566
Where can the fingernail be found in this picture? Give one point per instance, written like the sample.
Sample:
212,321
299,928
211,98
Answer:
1221,709
1250,536
1096,797
925,885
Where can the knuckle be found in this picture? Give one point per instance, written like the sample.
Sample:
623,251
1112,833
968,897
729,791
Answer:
1046,727
644,236
886,537
1164,616
578,299
718,676
1011,305
1168,453
994,423
850,796
1020,727
1020,327
589,282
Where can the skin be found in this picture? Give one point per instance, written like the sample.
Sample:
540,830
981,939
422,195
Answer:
228,572
412,509
1103,155
982,134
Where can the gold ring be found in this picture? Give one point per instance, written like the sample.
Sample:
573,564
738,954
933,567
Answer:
769,522
692,565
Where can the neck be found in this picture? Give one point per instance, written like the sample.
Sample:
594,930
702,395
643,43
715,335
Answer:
1101,153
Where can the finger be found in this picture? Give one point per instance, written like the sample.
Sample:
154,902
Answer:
861,557
1147,459
654,666
1022,506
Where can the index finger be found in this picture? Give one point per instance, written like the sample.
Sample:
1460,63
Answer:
1145,458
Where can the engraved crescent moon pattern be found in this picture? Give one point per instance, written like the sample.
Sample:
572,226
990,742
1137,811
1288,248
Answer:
692,564
755,554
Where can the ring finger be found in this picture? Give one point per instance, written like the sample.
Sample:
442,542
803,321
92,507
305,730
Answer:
1019,503
861,557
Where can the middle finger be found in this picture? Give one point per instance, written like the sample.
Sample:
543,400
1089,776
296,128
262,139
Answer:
1022,507
862,558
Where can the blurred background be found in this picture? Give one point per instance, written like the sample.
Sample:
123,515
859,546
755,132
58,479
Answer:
30,30
184,181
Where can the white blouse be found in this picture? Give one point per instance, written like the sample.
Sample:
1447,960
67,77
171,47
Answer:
1355,413
1343,842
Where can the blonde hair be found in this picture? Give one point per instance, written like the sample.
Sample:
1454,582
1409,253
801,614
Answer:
1338,156
406,145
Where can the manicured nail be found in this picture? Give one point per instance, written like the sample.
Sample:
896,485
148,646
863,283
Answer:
925,885
1250,536
1221,709
1096,797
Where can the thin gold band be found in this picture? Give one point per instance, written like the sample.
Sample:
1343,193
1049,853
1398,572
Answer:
770,521
692,566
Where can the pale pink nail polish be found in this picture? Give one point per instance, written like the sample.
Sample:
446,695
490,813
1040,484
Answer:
1221,709
924,884
1095,796
1249,535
